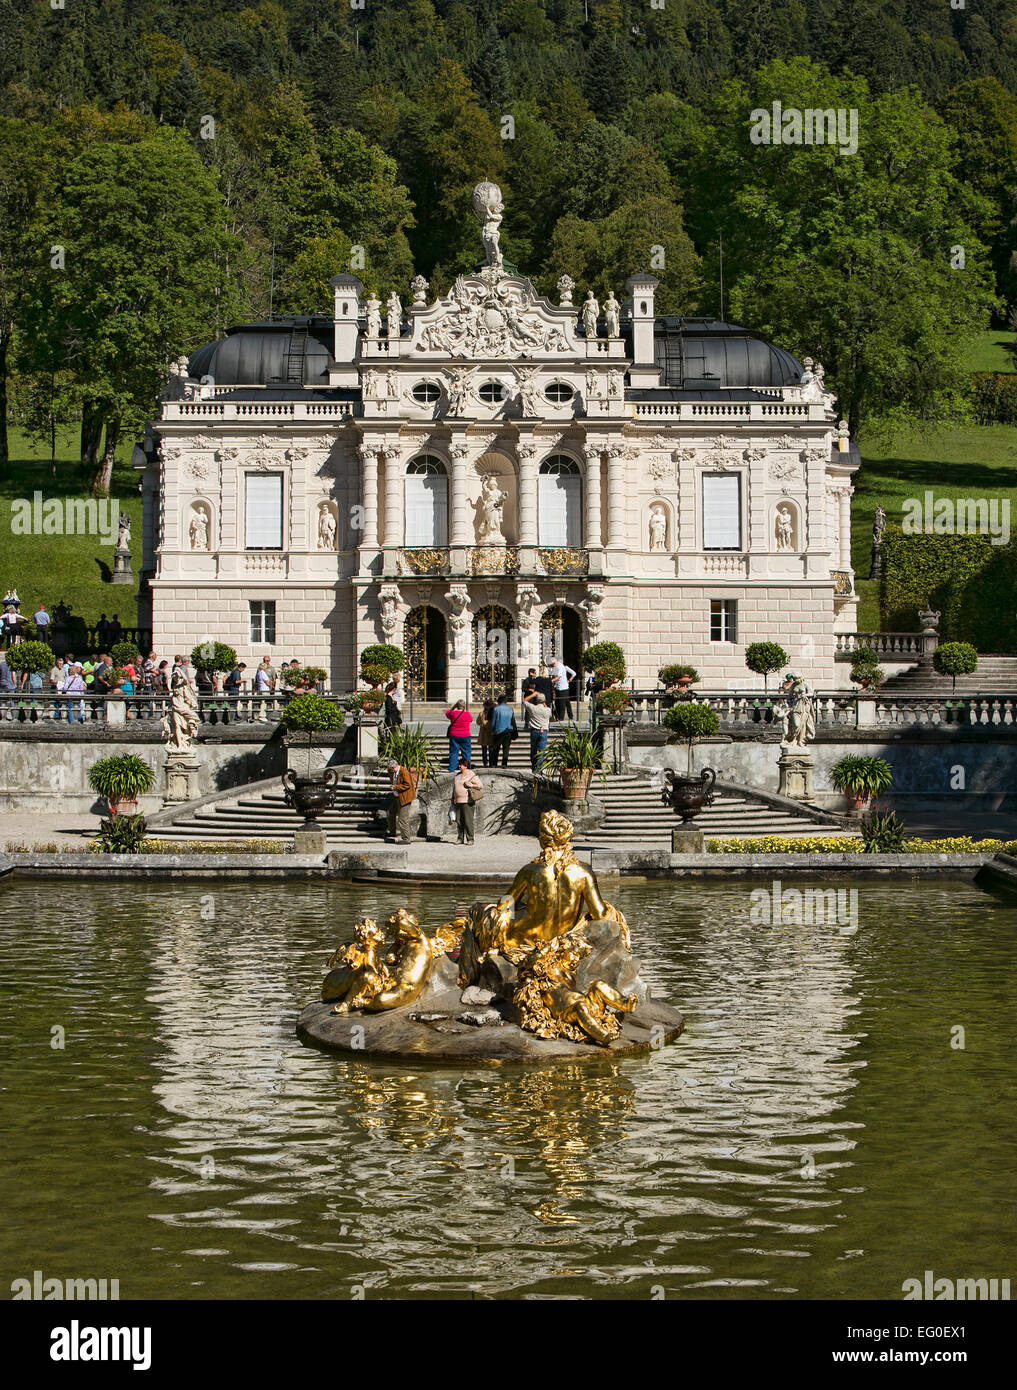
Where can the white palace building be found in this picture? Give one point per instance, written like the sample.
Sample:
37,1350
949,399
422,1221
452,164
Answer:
489,476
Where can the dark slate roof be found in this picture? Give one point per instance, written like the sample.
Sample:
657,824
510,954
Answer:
705,354
284,352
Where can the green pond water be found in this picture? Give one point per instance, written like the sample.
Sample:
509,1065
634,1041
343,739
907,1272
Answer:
812,1134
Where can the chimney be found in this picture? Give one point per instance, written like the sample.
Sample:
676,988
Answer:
347,289
639,305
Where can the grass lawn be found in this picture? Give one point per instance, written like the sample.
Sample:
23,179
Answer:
969,461
991,351
75,569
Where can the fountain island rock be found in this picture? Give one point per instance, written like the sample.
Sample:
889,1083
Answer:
545,973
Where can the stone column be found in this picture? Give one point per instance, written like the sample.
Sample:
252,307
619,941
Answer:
616,538
528,534
594,539
844,497
368,500
393,503
462,531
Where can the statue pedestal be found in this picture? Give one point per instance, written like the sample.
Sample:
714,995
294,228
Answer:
181,776
795,766
309,842
122,573
688,840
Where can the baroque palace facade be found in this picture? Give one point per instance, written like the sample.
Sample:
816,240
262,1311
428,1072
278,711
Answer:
490,478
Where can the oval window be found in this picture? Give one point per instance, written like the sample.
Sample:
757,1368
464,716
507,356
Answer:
426,392
492,392
559,392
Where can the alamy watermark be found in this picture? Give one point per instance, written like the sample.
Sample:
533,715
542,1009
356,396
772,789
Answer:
66,516
39,1287
962,1290
787,125
808,907
929,515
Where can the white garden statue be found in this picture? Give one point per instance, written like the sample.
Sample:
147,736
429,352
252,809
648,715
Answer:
658,528
199,530
612,316
590,314
785,529
492,503
180,723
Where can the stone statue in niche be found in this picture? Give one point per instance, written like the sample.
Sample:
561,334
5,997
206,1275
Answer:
658,527
614,383
198,529
592,385
373,316
394,311
785,529
326,527
612,316
491,510
590,314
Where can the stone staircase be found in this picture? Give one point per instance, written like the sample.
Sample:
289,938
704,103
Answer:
634,814
996,675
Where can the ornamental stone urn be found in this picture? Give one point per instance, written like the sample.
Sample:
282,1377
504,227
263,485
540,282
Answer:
688,795
311,792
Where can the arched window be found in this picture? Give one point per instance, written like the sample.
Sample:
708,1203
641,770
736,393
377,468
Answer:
560,515
426,502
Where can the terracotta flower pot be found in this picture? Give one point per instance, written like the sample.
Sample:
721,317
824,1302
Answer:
858,802
575,782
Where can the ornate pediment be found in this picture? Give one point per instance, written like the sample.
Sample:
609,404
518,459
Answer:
494,315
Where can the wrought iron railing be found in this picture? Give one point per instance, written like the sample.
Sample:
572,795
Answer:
563,561
494,559
425,560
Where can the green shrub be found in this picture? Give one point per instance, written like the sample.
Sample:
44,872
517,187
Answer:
410,747
120,835
955,659
883,833
607,662
380,657
125,654
866,670
861,776
613,701
764,657
787,844
670,675
311,714
30,656
575,749
210,657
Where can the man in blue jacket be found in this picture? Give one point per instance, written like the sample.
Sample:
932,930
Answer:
502,723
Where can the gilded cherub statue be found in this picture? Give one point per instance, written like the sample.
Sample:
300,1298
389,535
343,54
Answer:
549,1003
361,977
356,974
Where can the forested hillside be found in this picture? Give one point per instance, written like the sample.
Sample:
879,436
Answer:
200,163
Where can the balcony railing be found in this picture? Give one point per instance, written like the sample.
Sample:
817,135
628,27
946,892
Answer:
888,646
494,559
564,562
425,560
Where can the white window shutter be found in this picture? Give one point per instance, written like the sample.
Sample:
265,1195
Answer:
264,511
722,511
560,510
426,509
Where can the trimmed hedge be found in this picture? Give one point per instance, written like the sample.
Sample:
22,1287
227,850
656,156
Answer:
968,579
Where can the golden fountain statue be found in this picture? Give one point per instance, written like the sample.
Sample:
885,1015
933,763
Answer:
550,961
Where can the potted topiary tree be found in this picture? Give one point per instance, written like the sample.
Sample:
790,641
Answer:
677,675
764,657
866,670
606,661
380,661
211,658
575,756
860,779
34,657
612,706
125,653
955,659
311,791
688,795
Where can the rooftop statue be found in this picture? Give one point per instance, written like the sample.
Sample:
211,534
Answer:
489,209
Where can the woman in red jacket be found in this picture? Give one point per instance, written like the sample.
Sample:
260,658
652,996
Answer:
460,721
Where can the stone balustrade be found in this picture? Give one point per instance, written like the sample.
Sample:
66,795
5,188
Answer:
844,710
888,646
243,412
762,412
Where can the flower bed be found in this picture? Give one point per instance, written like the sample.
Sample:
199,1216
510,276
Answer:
848,844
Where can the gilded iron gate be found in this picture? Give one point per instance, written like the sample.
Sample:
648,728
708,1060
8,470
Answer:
415,653
494,645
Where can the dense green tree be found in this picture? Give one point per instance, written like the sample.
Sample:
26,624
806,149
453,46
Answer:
119,306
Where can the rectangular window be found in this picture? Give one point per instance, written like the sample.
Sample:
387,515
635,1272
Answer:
559,513
426,509
722,511
262,622
723,620
264,511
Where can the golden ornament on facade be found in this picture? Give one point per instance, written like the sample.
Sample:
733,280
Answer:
426,561
564,560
